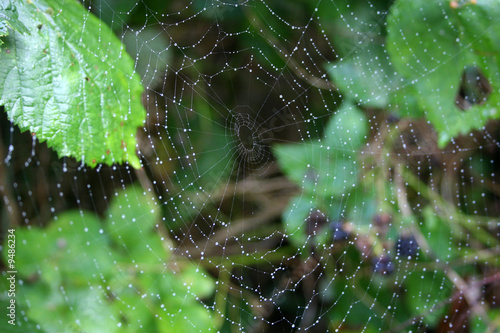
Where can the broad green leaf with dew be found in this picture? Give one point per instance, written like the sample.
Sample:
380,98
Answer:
432,44
68,80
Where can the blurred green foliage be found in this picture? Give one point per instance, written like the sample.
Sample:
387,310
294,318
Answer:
431,44
326,170
417,69
415,62
84,274
362,188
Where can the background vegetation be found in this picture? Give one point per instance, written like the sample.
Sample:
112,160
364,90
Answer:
372,205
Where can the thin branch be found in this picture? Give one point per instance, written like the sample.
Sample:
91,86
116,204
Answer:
289,61
5,191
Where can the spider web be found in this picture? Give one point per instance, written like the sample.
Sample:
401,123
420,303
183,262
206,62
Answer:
288,184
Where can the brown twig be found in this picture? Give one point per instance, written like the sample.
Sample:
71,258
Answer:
5,190
289,61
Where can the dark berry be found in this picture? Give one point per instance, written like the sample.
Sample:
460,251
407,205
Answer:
392,118
383,265
315,222
407,246
338,231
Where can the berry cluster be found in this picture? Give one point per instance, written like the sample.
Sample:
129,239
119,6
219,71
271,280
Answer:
383,265
338,231
407,246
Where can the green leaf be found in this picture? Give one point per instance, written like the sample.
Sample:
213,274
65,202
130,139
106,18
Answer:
9,19
337,173
479,324
74,310
366,77
328,167
347,129
427,290
296,161
72,247
199,283
130,223
439,236
362,207
134,311
294,218
22,325
349,311
3,32
481,25
189,318
32,248
431,45
179,295
404,100
326,170
75,89
73,255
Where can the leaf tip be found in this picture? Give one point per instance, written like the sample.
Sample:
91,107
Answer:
443,140
134,162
